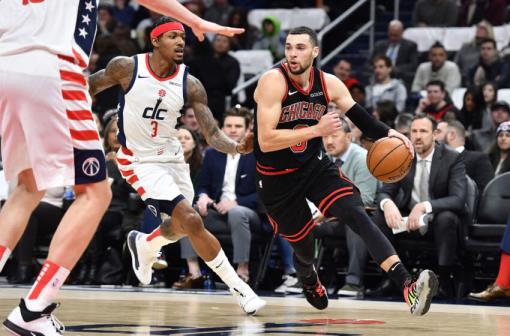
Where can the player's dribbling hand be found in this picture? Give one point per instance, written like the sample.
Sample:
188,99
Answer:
206,26
407,142
329,124
246,145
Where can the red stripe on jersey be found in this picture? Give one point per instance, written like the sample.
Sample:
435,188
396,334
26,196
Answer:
133,179
74,77
79,115
154,234
126,173
156,76
323,81
87,135
74,95
126,151
124,162
48,270
140,191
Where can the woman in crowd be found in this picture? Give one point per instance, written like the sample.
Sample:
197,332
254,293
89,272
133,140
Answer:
471,112
499,153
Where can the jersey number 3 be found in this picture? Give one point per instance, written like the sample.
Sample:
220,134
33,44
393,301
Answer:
300,147
154,125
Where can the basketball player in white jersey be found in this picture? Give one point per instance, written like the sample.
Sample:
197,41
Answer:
49,138
155,87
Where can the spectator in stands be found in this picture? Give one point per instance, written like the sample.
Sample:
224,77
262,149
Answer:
105,21
218,12
490,67
190,122
435,187
193,157
238,18
272,38
470,115
484,139
142,27
358,94
435,104
385,87
478,164
403,123
42,224
123,12
402,52
499,152
218,72
474,11
227,193
386,112
343,70
500,287
437,68
469,54
355,132
122,37
490,96
435,13
350,158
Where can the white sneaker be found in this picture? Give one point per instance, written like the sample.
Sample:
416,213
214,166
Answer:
288,281
250,302
24,322
142,258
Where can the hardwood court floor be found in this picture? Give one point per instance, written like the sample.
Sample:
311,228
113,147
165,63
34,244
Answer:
131,312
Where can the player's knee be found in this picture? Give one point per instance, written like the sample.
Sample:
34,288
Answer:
99,193
193,224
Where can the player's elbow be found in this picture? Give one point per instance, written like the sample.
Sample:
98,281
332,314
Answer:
265,144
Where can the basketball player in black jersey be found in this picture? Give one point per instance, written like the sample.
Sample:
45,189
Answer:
291,117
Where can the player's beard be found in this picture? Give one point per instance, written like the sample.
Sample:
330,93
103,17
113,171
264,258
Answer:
300,70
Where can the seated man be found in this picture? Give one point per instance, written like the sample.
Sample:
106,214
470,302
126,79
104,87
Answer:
436,185
490,68
484,139
435,103
227,194
351,160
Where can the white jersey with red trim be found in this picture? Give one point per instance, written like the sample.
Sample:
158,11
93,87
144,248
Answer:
148,113
56,27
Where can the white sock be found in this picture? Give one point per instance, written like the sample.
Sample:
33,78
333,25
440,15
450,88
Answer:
155,240
221,266
46,286
4,255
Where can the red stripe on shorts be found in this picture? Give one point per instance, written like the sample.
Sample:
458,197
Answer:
2,251
126,173
87,135
48,270
334,199
126,151
124,162
79,115
326,199
140,191
81,61
154,234
74,77
133,179
74,95
302,233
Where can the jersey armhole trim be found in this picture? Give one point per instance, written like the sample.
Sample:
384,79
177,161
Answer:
184,85
323,81
135,72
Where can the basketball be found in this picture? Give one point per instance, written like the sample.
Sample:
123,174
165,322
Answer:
389,160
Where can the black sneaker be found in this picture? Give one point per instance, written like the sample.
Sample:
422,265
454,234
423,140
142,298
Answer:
316,295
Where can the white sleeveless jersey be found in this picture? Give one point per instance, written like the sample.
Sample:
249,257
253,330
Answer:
61,27
148,113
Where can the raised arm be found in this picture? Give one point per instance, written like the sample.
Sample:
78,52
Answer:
174,9
268,95
117,72
197,97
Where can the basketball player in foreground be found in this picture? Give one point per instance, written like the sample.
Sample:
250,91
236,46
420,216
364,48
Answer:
49,138
291,118
155,86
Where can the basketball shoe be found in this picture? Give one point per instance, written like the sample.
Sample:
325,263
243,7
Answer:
419,294
249,301
24,322
142,258
316,295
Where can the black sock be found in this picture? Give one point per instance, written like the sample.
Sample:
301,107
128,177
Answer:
399,274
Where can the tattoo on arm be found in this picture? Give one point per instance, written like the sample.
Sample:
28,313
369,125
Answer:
197,97
118,72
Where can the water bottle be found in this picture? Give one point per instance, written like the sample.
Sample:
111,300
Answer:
68,197
208,283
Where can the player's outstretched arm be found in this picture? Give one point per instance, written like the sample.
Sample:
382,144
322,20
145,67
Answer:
117,72
174,9
268,95
373,128
197,97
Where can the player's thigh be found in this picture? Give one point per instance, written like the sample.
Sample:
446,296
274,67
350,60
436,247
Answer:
182,178
291,219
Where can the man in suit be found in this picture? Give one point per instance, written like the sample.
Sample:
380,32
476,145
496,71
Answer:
478,165
436,185
351,160
227,196
402,52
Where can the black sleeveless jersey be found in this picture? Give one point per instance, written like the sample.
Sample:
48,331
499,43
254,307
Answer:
300,108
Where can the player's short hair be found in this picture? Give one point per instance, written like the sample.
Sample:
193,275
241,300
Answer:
308,31
429,118
239,111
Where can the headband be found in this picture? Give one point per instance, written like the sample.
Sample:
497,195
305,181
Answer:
503,127
161,29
